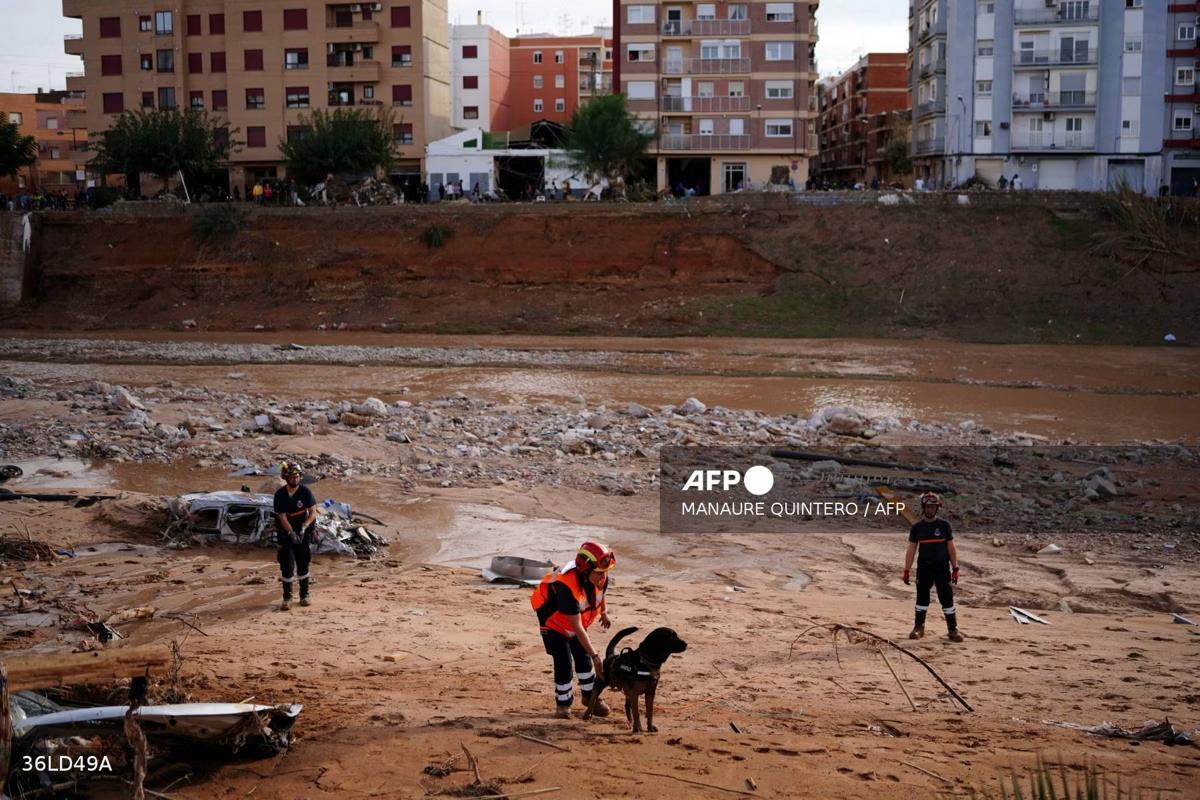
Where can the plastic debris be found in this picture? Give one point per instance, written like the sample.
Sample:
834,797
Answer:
1022,616
1049,550
1180,619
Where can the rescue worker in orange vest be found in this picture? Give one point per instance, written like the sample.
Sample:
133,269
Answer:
567,602
932,542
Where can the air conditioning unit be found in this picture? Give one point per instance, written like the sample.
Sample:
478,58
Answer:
1048,116
377,6
1197,108
355,8
358,48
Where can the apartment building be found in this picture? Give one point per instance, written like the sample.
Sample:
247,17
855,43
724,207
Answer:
502,83
1182,101
861,110
728,87
49,118
261,65
1066,94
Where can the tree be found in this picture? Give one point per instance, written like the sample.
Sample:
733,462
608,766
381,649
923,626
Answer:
896,156
604,138
162,142
339,142
16,151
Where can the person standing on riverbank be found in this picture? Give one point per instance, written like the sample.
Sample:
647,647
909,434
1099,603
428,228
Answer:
296,516
932,541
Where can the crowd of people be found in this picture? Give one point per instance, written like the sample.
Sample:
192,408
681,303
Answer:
45,201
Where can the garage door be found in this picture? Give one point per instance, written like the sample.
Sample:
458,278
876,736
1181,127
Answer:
1058,174
989,170
1131,173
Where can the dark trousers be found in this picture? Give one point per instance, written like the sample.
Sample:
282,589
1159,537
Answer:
294,556
570,661
929,576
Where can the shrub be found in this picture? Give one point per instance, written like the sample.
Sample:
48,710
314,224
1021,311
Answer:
435,235
216,224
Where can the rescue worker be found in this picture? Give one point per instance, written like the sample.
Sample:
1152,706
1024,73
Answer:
567,602
296,515
932,542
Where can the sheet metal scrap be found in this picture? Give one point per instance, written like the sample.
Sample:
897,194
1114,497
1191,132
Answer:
248,518
1150,732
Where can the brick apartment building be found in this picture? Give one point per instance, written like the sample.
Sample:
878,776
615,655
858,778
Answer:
51,118
502,83
727,86
262,64
861,111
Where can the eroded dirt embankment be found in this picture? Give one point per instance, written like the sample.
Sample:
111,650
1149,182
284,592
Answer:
1020,273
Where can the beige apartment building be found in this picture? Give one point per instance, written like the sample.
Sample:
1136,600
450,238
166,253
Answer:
263,64
729,88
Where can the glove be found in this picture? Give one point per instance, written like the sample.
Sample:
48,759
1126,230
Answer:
906,581
954,576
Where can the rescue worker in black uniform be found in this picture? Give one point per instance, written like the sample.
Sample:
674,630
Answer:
296,516
932,542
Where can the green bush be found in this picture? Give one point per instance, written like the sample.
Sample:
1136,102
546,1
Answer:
1045,784
216,224
435,235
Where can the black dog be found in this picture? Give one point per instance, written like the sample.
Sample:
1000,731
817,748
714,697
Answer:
635,672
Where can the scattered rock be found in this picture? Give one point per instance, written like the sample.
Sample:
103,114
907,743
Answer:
1049,550
284,425
638,410
692,406
575,442
354,420
136,419
122,400
371,407
846,425
189,323
997,541
1102,485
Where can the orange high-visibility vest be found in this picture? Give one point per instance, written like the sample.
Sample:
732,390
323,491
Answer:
574,581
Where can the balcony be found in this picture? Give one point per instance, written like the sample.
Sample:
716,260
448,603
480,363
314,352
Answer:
929,146
75,81
362,72
703,142
73,44
705,105
929,31
706,27
1071,14
1054,100
1053,140
361,32
1038,59
707,66
932,67
931,107
73,9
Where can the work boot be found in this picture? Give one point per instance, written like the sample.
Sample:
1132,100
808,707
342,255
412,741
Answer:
954,635
287,596
304,592
562,712
286,604
918,632
601,709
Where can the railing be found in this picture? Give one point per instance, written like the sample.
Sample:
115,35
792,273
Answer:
71,75
932,67
931,107
703,141
710,27
716,66
1066,14
936,145
929,31
1049,100
1038,58
1053,140
705,104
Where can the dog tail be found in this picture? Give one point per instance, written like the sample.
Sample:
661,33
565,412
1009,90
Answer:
612,643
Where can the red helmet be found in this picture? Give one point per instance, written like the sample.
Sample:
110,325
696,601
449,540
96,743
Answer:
594,556
931,499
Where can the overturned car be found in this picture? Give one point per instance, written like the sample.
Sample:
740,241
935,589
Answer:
248,518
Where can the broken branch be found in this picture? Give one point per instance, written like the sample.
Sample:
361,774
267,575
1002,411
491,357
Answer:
927,772
907,697
529,738
700,783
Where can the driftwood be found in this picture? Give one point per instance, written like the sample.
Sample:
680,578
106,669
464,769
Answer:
43,671
700,783
852,633
927,772
529,738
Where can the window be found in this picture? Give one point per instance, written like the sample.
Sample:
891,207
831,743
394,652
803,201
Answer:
983,87
110,27
559,81
710,49
368,92
114,103
220,99
296,133
470,112
1185,76
296,58
537,56
537,105
196,100
256,99
166,97
470,81
781,51
16,117
983,128
253,60
778,128
1131,87
984,9
706,11
737,127
295,19
193,25
402,95
538,81
737,12
780,12
1183,121
470,51
402,55
705,89
705,127
1187,33
297,97
110,65
1133,3
166,60
145,24
985,47
779,90
252,21
737,89
147,61
217,62
147,99
402,133
1129,128
558,56
560,105
639,52
641,90
401,17
639,15
164,22
256,136
1133,43
216,24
